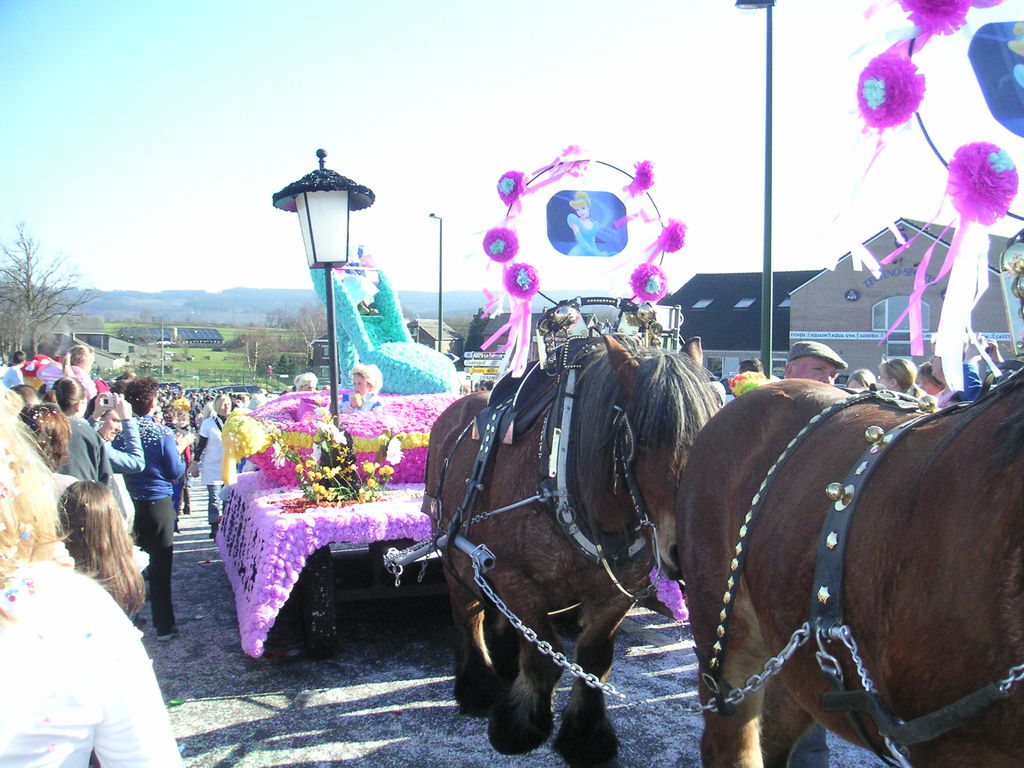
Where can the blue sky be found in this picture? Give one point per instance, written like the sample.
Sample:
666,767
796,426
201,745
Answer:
144,140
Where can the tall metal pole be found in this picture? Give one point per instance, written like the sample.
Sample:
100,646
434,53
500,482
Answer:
332,339
440,282
767,301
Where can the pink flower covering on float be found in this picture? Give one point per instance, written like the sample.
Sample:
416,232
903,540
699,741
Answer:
265,549
408,416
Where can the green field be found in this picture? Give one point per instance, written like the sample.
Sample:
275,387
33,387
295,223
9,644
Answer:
212,367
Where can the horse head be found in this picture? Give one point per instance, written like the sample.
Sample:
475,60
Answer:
661,399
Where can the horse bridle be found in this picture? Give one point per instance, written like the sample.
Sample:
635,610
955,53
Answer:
559,487
557,484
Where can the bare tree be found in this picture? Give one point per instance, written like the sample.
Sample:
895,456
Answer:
311,323
36,290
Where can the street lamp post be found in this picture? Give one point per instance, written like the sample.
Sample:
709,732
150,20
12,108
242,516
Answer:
767,300
440,279
323,200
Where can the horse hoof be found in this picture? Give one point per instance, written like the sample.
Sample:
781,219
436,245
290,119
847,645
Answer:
471,710
594,747
477,694
513,730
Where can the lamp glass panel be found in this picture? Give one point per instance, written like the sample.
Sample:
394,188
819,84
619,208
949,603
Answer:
328,214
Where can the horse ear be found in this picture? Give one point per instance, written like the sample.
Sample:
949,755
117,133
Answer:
695,349
623,364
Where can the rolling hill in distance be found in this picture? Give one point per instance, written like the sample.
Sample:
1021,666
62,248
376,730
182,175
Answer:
250,306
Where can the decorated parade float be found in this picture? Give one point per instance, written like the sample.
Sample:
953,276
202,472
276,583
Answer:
312,479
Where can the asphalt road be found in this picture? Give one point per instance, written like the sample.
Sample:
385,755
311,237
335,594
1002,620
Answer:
386,698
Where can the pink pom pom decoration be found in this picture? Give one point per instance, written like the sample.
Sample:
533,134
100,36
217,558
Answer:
501,244
521,281
673,237
648,282
510,187
889,91
937,17
982,182
642,181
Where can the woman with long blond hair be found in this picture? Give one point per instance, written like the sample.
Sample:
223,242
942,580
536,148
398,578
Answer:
100,544
899,375
77,681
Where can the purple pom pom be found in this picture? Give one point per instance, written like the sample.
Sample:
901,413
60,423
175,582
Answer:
642,181
937,17
986,3
648,282
501,244
510,187
673,236
521,281
982,182
889,91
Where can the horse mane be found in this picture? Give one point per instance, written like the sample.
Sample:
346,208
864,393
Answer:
673,402
1010,432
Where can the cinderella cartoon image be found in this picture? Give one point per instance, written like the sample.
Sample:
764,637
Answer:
583,227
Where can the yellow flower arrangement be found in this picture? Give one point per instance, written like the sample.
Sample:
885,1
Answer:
332,475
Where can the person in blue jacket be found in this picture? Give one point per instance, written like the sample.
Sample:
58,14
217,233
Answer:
151,491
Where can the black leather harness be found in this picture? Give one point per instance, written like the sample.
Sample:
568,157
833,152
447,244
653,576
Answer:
513,408
826,612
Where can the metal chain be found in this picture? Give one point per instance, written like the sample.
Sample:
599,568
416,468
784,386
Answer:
758,680
1015,676
844,635
543,646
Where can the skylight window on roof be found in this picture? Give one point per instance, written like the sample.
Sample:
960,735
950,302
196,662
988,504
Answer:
744,303
784,303
702,304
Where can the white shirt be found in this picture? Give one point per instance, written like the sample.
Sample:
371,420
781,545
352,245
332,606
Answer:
77,678
210,463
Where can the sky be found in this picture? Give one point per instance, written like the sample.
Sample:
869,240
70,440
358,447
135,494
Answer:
144,140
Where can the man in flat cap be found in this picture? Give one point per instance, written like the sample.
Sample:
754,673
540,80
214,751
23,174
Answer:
812,360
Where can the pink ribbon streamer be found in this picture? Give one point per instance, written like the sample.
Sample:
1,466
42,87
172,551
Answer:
518,328
921,284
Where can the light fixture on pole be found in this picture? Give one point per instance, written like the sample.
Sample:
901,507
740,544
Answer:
323,199
440,278
767,300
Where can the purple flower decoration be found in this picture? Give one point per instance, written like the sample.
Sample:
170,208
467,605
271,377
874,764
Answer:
982,182
889,91
937,17
510,187
501,244
648,282
642,181
521,281
673,236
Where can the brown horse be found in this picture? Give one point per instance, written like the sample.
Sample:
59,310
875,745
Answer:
538,568
933,594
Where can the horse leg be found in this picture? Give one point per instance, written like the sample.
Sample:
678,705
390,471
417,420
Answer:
735,741
788,739
587,736
476,685
502,643
522,719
